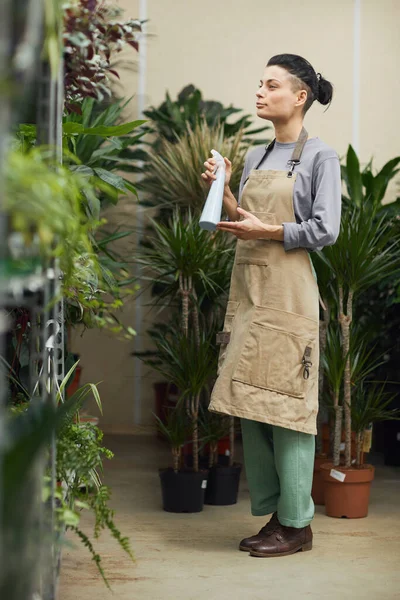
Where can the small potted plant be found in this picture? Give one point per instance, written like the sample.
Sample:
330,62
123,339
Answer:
188,362
223,479
347,490
182,489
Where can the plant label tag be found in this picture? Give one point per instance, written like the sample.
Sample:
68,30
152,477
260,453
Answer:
338,475
367,440
204,484
227,453
342,447
398,436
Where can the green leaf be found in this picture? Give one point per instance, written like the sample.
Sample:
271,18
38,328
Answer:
71,128
115,181
116,130
354,177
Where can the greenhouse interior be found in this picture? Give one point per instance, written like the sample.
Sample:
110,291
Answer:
200,300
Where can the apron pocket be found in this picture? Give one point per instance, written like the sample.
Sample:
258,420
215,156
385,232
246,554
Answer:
254,252
223,337
278,359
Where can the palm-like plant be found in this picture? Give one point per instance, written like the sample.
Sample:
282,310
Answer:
173,174
190,363
213,427
176,431
187,264
189,267
366,252
371,403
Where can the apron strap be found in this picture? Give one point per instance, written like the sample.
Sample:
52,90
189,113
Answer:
297,152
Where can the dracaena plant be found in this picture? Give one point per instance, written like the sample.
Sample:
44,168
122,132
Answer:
190,363
93,32
189,266
365,254
371,403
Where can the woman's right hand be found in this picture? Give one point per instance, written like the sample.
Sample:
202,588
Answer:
209,175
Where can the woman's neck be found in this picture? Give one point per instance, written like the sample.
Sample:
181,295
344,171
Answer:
288,132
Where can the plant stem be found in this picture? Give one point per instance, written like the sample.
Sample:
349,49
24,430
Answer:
184,291
338,431
345,323
362,447
196,321
213,452
358,448
193,411
195,444
176,456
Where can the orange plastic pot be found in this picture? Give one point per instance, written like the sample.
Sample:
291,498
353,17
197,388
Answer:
75,383
348,498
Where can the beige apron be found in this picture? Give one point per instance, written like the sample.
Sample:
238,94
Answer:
269,356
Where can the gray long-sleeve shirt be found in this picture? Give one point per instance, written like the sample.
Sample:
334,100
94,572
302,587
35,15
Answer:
316,196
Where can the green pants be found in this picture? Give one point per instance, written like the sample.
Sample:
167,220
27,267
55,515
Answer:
279,467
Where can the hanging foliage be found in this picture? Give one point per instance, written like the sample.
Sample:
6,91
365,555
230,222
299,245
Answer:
93,32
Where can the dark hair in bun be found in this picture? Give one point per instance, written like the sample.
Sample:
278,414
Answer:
317,87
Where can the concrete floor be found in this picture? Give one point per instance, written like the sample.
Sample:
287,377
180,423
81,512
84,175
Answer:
195,557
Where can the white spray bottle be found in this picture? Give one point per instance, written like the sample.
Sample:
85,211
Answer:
212,210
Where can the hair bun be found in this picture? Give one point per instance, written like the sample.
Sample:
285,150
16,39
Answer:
325,90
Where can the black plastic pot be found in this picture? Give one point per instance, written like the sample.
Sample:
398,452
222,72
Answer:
223,485
183,492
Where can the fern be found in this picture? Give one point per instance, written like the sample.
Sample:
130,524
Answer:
80,456
96,557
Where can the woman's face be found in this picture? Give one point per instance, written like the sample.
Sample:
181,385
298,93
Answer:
276,100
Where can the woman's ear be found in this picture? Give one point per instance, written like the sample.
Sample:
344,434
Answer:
301,97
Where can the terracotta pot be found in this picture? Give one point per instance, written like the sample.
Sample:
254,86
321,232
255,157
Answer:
317,491
75,383
349,498
89,419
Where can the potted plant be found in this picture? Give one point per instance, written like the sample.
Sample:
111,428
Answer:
181,491
223,479
370,403
189,363
366,252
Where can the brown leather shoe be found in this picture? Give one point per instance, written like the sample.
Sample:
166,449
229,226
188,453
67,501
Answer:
284,541
247,544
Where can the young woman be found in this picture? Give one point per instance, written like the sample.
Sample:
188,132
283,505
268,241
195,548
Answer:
290,204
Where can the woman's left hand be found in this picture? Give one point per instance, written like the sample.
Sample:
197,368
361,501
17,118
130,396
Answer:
251,228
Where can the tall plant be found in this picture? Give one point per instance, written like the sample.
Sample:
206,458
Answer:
186,263
365,253
172,173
